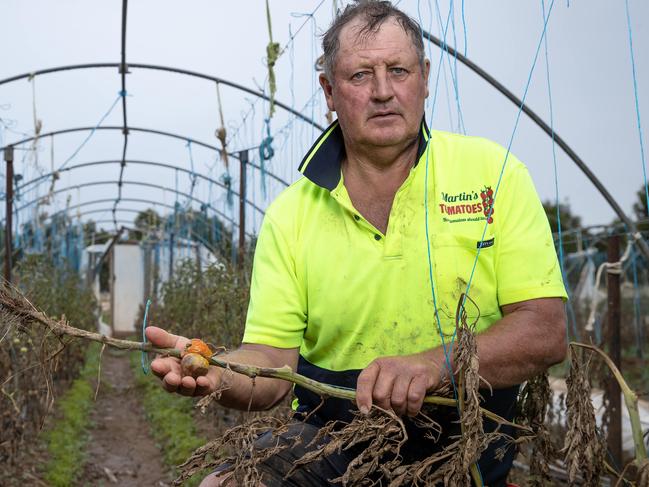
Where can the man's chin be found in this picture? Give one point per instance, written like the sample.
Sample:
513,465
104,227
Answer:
386,136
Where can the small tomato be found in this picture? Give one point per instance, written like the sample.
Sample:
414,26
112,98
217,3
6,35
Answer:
196,345
194,364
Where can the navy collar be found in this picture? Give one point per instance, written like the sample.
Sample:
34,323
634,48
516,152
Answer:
321,165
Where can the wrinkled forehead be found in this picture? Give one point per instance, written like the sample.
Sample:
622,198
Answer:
356,35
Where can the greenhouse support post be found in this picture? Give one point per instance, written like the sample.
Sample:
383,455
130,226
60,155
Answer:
9,197
243,160
171,255
614,349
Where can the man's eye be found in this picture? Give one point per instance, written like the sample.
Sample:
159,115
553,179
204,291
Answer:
359,76
398,71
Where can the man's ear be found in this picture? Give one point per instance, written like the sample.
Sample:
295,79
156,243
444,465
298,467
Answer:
327,88
426,69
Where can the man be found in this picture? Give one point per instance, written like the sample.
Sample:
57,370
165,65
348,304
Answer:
341,287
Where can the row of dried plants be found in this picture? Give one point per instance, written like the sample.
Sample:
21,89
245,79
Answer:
380,434
207,302
33,371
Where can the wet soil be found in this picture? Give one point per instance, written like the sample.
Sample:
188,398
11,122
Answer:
121,450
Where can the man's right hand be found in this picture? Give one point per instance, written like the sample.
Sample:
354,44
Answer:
168,368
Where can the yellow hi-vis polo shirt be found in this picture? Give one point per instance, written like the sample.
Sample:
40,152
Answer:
327,281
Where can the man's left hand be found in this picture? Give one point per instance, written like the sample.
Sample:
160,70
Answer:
399,383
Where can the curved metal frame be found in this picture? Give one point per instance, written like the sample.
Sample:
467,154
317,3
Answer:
234,155
107,200
140,183
127,210
464,60
168,69
133,200
130,161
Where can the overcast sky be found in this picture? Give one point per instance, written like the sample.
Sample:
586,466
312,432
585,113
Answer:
589,65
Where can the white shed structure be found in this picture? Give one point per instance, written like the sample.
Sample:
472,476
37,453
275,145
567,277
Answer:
126,287
136,272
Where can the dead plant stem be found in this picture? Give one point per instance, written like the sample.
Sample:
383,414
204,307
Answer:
475,473
630,399
61,328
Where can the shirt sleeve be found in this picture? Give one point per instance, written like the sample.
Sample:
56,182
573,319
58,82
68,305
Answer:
526,266
277,308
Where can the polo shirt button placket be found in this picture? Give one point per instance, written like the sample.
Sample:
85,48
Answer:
377,237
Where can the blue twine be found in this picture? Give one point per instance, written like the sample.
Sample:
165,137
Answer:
637,105
144,359
289,125
430,265
430,29
446,350
314,53
254,195
464,29
443,50
192,176
266,152
92,132
461,126
509,146
176,203
451,67
447,358
226,178
291,84
554,162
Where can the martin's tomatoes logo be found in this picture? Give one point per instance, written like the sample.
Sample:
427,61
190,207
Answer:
487,195
466,206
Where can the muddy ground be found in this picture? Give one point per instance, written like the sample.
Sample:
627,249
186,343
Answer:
121,450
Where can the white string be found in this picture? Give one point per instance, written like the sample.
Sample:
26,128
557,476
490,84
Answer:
611,268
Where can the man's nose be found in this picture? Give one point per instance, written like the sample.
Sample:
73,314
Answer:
382,86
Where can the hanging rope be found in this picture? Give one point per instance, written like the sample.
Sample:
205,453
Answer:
452,67
235,131
272,53
144,359
38,124
443,51
92,132
221,132
226,179
611,268
192,176
556,173
637,103
461,309
266,152
451,123
511,139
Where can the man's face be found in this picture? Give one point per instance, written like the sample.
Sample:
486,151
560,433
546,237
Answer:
378,88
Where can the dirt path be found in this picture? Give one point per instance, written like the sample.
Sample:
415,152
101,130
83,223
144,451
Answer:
121,451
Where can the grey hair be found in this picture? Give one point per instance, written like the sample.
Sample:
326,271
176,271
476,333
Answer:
373,14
